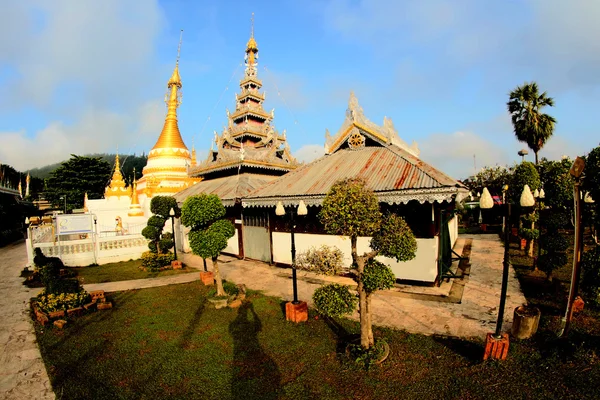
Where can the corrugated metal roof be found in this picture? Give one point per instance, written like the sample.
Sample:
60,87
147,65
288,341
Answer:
227,188
385,169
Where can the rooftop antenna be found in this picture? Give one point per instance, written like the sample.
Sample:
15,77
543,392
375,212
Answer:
252,26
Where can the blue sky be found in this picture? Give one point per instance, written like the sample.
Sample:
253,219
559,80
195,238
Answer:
88,76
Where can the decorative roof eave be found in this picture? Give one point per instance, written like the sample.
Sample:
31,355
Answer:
437,195
250,79
255,113
355,119
246,163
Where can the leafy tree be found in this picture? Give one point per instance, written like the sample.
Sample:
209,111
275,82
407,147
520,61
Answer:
553,242
525,174
530,125
494,178
591,184
557,182
209,233
351,209
160,206
74,178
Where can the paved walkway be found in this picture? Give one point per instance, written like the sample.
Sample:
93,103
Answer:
22,371
474,316
419,310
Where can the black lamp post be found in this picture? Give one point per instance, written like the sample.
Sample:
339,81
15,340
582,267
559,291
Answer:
280,211
65,198
172,215
486,202
576,171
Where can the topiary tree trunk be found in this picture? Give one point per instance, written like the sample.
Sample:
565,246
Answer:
351,209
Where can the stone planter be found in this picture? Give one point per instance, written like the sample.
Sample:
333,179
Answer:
296,312
56,314
525,322
218,302
104,306
384,356
496,348
207,278
75,312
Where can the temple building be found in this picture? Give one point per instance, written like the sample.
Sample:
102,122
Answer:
249,153
404,185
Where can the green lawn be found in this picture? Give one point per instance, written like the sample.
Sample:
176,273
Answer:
122,271
169,343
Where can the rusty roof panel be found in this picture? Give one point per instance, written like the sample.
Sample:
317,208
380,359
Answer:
227,188
384,169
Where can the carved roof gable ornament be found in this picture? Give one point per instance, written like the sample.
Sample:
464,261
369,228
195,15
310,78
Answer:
356,125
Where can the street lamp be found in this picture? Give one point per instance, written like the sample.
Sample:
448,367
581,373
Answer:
497,339
280,211
64,197
523,153
172,215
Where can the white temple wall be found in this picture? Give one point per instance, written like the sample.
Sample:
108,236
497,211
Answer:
92,250
422,268
453,228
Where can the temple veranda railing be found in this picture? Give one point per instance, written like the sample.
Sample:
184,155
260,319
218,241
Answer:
91,249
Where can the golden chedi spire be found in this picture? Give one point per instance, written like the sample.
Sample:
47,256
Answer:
251,52
170,137
135,210
117,188
193,156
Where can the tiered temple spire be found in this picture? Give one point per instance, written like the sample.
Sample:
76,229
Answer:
166,172
135,209
117,188
250,138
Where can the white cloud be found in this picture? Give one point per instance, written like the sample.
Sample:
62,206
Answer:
98,50
452,153
309,152
95,132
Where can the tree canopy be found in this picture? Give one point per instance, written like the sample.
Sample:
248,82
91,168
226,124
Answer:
352,209
74,178
161,207
209,232
530,124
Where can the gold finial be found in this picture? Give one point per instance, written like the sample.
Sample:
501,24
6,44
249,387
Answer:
179,47
251,46
175,78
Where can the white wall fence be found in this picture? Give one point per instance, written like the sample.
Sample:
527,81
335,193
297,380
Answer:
88,251
422,268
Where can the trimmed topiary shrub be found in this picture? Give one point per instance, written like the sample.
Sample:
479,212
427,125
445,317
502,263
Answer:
334,300
326,260
155,261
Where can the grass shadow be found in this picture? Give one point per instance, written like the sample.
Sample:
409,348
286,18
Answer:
471,351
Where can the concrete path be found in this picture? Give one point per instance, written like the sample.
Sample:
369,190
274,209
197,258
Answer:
22,371
474,316
143,283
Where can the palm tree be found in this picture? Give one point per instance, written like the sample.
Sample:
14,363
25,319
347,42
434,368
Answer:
531,126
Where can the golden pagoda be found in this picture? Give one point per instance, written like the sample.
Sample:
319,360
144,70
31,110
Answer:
117,188
166,171
135,209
